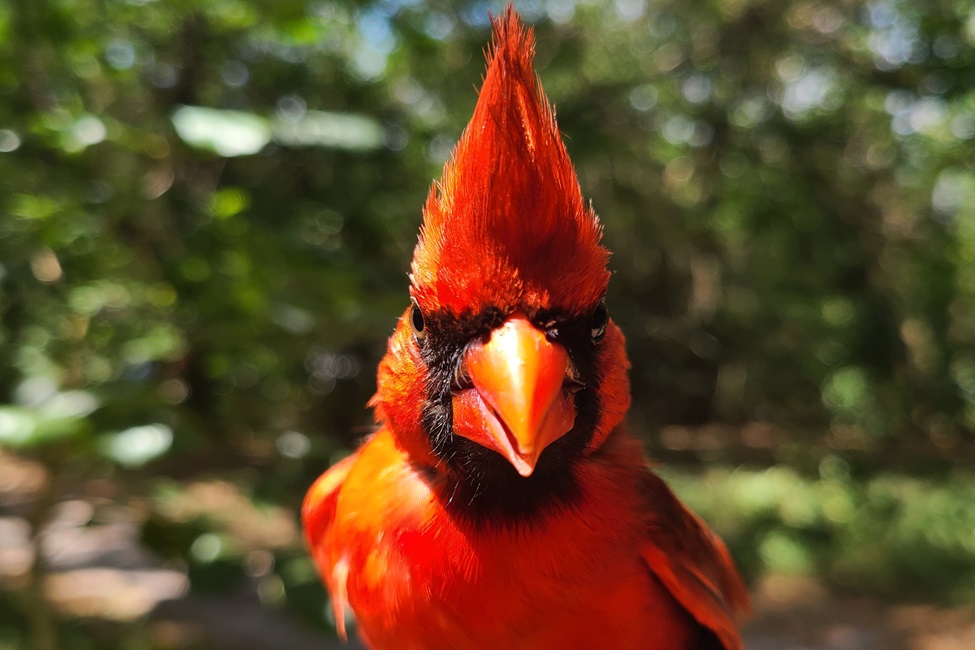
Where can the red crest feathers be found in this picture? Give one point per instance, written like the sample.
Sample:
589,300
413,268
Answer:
507,224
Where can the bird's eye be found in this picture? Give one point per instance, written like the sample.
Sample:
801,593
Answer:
416,322
600,319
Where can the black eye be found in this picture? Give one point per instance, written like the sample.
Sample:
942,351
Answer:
416,322
600,319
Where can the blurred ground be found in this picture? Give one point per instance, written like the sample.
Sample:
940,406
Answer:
799,614
206,217
97,572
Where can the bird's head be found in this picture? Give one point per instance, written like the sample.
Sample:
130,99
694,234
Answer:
506,361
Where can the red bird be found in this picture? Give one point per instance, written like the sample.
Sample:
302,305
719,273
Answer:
502,504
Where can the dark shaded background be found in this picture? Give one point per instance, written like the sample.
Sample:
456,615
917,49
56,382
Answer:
206,215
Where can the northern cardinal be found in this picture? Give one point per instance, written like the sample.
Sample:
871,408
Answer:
501,505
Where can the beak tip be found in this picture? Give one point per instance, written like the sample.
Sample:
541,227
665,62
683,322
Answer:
522,464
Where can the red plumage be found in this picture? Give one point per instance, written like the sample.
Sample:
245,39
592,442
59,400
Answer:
509,190
501,503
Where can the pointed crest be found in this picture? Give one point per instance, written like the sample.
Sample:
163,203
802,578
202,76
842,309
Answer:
507,225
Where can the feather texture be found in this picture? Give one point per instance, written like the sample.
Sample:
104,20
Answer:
510,193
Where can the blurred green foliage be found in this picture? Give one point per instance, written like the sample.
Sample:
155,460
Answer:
207,211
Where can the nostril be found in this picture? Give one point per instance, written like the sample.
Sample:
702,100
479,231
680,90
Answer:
571,386
572,374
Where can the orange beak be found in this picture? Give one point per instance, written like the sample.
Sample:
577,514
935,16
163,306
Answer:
520,402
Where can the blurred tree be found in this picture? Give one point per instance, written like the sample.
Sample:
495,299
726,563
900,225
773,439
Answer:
207,212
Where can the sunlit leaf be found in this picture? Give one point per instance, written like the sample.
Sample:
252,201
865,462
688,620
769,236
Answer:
137,446
225,132
330,130
27,427
17,424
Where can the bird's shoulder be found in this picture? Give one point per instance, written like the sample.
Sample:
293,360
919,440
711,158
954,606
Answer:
377,482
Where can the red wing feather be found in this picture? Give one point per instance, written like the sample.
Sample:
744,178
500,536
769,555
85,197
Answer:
317,515
694,565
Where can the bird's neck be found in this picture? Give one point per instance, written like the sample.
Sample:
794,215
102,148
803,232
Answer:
484,487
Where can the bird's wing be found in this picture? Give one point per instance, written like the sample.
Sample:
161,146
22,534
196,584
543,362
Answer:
694,565
317,515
